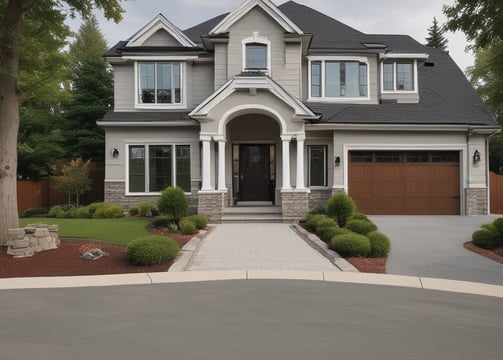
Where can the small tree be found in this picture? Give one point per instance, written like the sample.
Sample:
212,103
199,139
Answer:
74,178
341,207
436,38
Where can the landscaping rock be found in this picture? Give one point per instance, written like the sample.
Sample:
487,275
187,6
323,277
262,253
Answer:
93,254
34,238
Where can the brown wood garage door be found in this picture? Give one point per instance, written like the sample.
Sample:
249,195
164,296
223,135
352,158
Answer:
412,182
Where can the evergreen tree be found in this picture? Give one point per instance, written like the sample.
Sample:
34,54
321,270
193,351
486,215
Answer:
436,38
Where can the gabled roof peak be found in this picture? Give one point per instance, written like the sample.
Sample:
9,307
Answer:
160,22
266,5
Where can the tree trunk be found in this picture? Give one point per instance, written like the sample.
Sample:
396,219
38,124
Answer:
9,113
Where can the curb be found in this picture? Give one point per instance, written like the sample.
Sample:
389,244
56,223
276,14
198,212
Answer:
184,259
462,287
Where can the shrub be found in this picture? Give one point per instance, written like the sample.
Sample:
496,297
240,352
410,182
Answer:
28,213
146,208
351,245
83,213
151,250
312,219
187,227
326,222
70,213
133,211
95,206
200,221
173,202
359,216
107,211
490,227
163,221
341,207
57,212
379,244
328,232
172,228
362,227
485,239
498,225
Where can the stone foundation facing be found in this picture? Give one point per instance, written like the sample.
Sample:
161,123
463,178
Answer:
295,205
318,198
476,201
211,205
24,242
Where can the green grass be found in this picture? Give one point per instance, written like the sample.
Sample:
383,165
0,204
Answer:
116,231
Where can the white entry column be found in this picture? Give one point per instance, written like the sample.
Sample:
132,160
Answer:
206,165
286,162
300,162
221,163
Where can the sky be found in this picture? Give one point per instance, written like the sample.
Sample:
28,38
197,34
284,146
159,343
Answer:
407,17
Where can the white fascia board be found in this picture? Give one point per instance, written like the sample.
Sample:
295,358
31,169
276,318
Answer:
392,55
156,24
159,57
266,5
146,124
202,109
389,127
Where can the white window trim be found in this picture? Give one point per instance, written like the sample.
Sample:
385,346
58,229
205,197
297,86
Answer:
336,99
395,91
256,38
183,82
147,174
325,147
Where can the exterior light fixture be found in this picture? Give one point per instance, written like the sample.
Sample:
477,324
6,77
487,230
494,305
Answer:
337,161
476,156
115,153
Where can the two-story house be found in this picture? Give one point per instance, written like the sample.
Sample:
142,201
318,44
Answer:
283,105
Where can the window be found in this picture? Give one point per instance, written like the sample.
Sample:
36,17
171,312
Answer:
167,165
317,165
160,83
337,79
256,56
398,76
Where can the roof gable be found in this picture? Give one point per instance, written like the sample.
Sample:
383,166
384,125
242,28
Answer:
152,29
272,10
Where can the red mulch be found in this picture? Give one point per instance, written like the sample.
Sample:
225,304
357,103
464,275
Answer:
66,261
369,265
496,254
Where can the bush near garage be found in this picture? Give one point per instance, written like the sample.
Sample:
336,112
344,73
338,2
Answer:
312,219
379,244
340,207
359,216
322,223
351,245
151,250
327,233
362,227
485,239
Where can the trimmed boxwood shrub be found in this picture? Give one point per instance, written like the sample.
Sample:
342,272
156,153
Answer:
489,227
134,211
151,250
312,219
327,233
187,227
83,213
108,211
498,225
362,227
326,222
146,208
351,245
163,221
173,202
95,206
57,212
200,221
35,212
341,207
379,244
485,239
359,216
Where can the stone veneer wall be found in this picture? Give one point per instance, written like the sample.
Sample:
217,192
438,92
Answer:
211,205
294,205
476,201
318,198
115,193
24,242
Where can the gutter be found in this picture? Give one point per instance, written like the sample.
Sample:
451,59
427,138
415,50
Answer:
490,130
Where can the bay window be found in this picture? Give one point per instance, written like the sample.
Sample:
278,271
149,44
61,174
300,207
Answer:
152,168
160,83
338,79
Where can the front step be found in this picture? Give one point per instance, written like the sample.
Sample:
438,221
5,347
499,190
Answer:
252,214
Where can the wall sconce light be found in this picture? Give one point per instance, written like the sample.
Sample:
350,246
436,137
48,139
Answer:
337,161
115,153
476,156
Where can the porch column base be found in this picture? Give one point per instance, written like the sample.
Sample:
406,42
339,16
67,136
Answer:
211,204
295,205
476,201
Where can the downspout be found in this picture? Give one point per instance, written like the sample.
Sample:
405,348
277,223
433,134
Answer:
468,171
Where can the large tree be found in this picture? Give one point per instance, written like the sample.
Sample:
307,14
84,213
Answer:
13,88
436,38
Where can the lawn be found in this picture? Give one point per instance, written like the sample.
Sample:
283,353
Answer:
116,231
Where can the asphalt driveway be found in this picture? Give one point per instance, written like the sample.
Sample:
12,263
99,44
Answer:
432,246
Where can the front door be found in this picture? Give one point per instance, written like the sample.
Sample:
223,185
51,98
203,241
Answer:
254,173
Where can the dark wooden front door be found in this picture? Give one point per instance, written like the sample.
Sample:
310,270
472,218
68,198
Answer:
254,174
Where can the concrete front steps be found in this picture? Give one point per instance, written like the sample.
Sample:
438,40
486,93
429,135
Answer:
252,214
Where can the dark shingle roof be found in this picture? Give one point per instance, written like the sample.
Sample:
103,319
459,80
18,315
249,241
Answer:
145,116
194,33
446,97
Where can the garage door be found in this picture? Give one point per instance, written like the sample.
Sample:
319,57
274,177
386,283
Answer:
399,182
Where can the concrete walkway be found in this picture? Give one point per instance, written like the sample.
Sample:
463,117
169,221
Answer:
257,247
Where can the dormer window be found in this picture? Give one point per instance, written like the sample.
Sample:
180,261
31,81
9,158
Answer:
399,75
159,84
256,53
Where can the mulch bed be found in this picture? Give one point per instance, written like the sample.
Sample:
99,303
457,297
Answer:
496,255
369,265
66,261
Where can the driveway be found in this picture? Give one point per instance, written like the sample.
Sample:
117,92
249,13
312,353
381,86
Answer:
432,246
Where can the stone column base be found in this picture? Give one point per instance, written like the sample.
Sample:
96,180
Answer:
476,201
211,205
295,205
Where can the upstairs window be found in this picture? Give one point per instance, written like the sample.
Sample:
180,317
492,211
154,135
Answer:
339,79
256,56
398,76
160,83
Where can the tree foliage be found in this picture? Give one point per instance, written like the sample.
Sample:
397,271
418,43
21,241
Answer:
73,179
436,38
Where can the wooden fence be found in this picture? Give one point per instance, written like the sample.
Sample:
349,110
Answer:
42,194
496,189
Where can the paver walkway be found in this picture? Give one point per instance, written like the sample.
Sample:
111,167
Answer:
257,247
